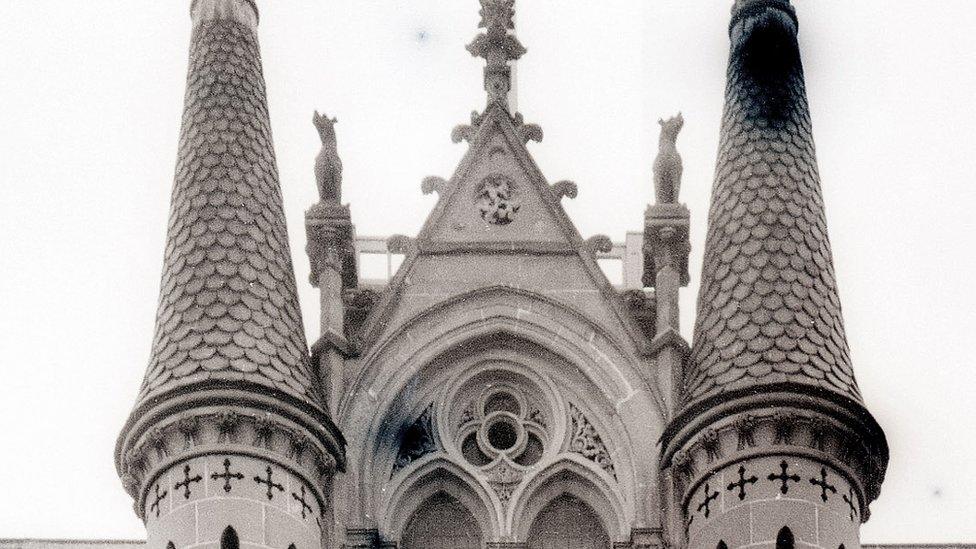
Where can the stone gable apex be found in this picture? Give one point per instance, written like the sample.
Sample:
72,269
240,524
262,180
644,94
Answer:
497,195
498,207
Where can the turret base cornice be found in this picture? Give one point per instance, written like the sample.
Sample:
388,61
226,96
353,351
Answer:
782,420
234,418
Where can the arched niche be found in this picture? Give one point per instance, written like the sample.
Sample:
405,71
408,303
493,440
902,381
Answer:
570,477
442,522
437,476
567,522
404,370
530,367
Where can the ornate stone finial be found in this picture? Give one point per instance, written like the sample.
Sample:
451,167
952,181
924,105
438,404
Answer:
328,166
667,166
497,47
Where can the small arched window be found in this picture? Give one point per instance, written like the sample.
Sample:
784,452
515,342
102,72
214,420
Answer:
721,545
228,540
784,540
292,546
171,546
841,546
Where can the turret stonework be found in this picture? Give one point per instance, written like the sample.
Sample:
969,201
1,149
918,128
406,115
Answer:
772,443
229,442
498,390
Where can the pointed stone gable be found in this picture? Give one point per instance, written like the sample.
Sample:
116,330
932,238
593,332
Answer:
498,223
498,199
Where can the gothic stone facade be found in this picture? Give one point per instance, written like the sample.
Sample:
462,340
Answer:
498,390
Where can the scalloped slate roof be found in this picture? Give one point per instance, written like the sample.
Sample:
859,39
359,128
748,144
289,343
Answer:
228,304
768,310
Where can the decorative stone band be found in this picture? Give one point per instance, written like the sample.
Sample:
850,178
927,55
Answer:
747,503
781,422
227,421
200,487
330,242
244,12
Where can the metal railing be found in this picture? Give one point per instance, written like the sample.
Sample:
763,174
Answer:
623,264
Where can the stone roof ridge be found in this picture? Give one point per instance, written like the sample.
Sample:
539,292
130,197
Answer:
228,310
768,308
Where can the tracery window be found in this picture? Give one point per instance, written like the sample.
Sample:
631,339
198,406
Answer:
442,522
502,423
500,426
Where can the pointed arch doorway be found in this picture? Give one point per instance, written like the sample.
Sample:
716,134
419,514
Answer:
568,523
442,522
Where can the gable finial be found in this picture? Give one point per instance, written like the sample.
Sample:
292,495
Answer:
497,47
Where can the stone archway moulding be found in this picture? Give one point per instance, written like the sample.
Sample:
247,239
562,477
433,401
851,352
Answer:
396,363
571,475
579,340
433,476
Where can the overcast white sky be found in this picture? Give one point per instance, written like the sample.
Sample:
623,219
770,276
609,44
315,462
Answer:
90,101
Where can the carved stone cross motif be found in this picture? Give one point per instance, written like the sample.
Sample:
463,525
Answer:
822,483
227,475
783,477
849,500
271,484
187,480
301,499
742,482
159,498
708,500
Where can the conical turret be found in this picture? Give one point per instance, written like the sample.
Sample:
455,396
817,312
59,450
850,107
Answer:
769,407
229,425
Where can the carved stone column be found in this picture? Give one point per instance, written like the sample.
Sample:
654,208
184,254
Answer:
331,251
666,249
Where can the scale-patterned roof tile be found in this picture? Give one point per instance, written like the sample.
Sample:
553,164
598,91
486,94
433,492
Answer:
768,309
228,303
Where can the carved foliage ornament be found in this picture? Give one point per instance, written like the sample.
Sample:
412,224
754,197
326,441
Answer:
585,441
497,200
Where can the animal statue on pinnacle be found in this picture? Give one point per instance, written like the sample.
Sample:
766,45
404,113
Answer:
667,165
328,166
